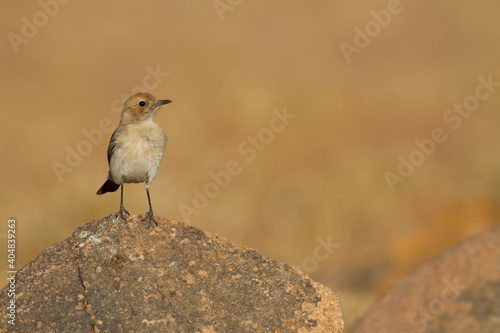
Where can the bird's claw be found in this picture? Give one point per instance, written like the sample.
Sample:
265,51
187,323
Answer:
151,218
124,214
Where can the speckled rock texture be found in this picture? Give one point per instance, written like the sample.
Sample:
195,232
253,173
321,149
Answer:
113,275
458,291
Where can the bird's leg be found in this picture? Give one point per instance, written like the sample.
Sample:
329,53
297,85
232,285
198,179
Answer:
123,211
150,214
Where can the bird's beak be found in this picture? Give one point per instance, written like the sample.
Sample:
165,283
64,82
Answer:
161,102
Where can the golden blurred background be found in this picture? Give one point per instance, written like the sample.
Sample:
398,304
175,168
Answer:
360,81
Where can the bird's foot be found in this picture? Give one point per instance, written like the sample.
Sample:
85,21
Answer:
151,218
124,214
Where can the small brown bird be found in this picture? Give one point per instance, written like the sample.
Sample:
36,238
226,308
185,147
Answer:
136,148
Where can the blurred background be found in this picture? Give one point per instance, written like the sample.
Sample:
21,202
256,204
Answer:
362,79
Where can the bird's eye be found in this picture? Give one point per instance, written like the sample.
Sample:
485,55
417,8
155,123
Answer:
142,103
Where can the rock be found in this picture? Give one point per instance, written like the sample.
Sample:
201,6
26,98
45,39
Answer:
458,291
115,276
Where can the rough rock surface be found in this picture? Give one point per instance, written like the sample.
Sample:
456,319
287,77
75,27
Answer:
458,291
117,276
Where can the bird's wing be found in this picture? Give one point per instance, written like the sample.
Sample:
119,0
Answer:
112,143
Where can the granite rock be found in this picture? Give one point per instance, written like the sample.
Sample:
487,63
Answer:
458,291
113,275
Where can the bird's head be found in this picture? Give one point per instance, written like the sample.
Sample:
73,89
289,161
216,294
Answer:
140,106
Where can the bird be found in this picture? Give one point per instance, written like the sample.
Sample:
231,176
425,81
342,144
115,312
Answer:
136,148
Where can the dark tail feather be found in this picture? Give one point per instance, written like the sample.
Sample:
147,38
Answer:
108,186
